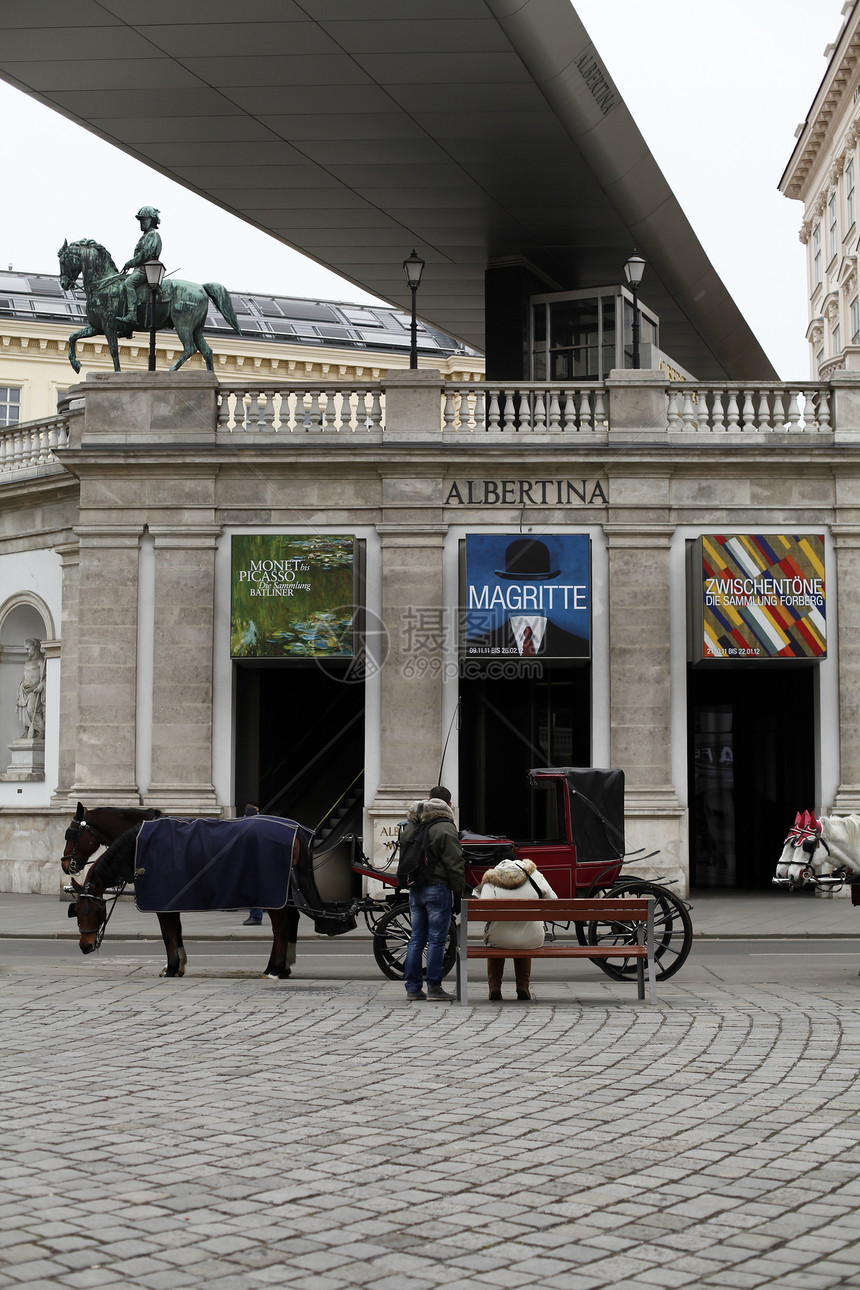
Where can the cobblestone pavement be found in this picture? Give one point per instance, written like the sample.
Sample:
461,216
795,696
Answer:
227,1131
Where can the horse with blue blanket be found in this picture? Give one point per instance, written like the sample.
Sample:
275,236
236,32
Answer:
182,865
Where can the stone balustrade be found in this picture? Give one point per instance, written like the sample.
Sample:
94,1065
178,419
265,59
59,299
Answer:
751,409
587,412
303,408
29,445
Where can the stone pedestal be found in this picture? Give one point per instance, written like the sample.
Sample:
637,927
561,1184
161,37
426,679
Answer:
28,760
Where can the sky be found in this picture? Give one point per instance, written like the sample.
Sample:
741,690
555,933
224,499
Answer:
716,87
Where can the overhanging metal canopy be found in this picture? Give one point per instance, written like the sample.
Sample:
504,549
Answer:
474,130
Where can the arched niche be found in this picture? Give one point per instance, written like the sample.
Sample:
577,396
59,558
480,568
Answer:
21,616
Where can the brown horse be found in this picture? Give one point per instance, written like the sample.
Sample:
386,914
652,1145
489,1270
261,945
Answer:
90,829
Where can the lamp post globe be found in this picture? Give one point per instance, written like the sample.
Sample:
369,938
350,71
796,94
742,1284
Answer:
413,267
633,270
154,271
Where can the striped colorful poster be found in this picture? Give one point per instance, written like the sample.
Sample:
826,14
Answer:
763,596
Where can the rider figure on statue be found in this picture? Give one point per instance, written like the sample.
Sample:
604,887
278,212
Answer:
148,248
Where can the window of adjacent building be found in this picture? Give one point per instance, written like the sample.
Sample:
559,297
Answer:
831,227
10,406
854,317
836,334
816,255
849,193
819,358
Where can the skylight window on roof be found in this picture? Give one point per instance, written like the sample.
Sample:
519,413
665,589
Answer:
309,310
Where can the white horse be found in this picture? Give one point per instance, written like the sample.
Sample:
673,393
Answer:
820,853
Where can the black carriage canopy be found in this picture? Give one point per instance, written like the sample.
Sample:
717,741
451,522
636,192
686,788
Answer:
596,809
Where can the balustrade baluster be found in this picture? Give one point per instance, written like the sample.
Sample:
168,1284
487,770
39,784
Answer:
793,419
554,419
601,419
717,422
313,421
688,413
822,409
700,403
510,411
375,422
764,411
448,415
732,412
584,420
330,411
540,412
778,415
493,417
479,417
673,415
749,411
224,408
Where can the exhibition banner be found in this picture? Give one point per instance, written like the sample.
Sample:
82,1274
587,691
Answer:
763,596
526,596
292,597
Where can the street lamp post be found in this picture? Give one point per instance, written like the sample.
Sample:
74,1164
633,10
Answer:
634,268
413,267
154,271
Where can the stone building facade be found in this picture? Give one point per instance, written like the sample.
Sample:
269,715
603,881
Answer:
116,524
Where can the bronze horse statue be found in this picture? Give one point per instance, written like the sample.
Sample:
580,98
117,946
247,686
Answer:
117,827
178,304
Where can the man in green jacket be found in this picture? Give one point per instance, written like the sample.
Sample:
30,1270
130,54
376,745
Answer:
431,901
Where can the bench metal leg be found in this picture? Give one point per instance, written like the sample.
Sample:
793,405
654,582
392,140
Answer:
462,955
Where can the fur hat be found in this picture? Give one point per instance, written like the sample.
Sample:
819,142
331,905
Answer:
508,874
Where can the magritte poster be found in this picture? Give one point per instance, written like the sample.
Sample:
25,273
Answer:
527,596
292,597
762,596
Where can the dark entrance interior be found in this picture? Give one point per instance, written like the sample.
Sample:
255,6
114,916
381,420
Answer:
751,765
300,744
510,724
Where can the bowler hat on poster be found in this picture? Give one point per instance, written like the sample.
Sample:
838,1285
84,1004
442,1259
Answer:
527,560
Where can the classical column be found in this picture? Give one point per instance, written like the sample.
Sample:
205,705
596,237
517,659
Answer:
640,701
104,736
68,553
410,681
846,541
182,687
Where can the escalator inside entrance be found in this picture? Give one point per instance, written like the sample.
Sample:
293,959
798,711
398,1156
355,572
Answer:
509,725
752,767
300,745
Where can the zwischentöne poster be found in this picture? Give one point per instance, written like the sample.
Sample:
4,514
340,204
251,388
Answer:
763,596
528,596
292,597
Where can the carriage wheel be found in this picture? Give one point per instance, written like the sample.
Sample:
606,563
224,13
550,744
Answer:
391,939
673,933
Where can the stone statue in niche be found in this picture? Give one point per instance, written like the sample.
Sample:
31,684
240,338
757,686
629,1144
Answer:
30,698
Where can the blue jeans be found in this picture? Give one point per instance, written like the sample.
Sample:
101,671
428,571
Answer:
430,911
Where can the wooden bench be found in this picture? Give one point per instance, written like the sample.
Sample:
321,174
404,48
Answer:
636,910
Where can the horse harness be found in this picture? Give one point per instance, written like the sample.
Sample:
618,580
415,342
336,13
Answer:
73,834
85,895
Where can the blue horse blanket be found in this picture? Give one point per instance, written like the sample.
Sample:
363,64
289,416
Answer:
188,865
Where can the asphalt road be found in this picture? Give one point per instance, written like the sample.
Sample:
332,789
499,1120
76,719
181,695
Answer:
764,961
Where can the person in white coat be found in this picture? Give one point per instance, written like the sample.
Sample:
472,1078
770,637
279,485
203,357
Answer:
518,880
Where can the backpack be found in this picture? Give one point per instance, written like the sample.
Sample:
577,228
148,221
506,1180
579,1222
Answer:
416,865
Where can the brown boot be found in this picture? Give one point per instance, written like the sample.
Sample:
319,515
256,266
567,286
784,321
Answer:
523,973
495,972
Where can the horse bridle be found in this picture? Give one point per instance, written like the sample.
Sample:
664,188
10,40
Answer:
85,894
76,865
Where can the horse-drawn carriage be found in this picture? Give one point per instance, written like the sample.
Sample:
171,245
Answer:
578,844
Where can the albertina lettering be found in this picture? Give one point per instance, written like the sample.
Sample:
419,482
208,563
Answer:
526,492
